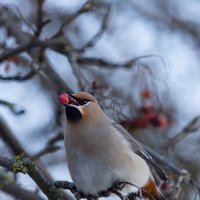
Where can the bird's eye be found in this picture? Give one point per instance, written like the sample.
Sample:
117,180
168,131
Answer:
83,101
80,101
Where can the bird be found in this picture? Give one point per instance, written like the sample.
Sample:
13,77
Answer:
100,152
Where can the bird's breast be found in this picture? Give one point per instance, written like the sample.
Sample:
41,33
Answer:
95,163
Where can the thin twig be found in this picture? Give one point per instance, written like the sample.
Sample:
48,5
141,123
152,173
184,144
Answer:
39,23
190,128
52,43
92,61
50,146
24,165
28,76
9,186
88,6
46,150
13,107
99,34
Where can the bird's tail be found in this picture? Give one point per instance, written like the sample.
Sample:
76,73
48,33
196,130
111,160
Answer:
151,192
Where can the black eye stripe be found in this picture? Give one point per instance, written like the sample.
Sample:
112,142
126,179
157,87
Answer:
81,101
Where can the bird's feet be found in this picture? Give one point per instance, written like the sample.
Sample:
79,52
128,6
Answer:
115,189
132,196
70,186
119,185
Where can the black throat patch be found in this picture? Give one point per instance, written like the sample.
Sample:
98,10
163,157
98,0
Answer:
73,114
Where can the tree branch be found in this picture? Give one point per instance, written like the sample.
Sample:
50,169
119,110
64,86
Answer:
24,165
88,6
17,149
10,187
192,127
99,34
14,108
91,61
34,43
28,76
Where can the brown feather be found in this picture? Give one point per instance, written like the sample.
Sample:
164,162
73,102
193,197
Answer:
151,192
84,95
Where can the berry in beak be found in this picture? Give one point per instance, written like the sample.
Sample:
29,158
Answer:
66,99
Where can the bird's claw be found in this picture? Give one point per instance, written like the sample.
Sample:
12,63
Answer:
119,185
77,195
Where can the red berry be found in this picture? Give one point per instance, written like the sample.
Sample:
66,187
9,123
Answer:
163,121
140,122
146,94
15,59
150,116
64,98
165,186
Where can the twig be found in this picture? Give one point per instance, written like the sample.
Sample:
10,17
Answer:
10,187
52,43
46,150
34,71
88,6
39,23
28,42
56,138
50,147
192,127
17,149
103,28
13,107
5,162
77,72
9,20
91,61
51,75
24,165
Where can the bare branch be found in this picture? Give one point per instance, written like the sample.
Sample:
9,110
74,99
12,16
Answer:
39,23
192,127
82,82
28,76
17,149
52,43
91,61
102,30
24,165
5,162
50,146
51,75
88,6
9,20
56,138
10,187
13,107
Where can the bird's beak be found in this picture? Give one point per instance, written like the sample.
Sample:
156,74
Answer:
67,99
72,108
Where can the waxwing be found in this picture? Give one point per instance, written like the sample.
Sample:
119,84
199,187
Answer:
100,152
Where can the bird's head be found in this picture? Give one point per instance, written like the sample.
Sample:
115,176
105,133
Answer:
79,106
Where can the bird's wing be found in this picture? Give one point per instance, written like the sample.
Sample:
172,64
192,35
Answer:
139,150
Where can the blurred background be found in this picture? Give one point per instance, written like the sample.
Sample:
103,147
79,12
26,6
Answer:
139,58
